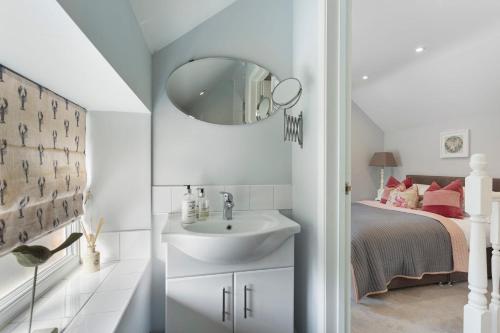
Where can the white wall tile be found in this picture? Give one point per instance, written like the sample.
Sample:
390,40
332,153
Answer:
135,244
246,197
158,247
241,196
107,301
212,193
108,243
261,197
162,199
283,197
120,282
130,266
177,196
87,283
99,322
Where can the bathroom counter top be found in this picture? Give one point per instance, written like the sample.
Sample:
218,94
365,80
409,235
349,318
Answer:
86,302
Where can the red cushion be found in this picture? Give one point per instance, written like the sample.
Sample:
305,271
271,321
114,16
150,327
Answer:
433,187
408,182
456,185
445,201
391,184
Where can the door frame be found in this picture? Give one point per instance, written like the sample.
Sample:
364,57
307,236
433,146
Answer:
337,223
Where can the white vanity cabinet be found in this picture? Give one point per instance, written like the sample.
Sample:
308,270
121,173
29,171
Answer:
230,276
200,304
263,301
241,302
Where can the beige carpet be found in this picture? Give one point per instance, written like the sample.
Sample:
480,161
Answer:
429,309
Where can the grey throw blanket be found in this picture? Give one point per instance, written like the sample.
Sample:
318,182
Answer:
386,244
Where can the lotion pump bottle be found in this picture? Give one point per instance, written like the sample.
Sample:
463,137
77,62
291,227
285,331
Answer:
188,207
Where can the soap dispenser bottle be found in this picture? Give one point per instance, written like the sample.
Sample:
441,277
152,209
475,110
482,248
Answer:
202,205
188,207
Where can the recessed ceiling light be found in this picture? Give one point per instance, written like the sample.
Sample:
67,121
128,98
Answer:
202,92
420,49
365,77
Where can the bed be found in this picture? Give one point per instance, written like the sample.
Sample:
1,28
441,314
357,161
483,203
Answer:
396,248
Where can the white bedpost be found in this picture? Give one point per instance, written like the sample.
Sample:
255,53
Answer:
478,204
495,263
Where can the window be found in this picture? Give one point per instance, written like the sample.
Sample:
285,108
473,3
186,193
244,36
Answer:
15,289
13,275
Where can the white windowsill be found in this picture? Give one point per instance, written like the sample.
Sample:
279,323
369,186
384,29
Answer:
20,298
86,302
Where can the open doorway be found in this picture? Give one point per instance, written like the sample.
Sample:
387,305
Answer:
425,81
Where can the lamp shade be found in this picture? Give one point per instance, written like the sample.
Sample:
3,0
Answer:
383,159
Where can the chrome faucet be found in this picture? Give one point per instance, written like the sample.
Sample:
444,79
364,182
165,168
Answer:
227,205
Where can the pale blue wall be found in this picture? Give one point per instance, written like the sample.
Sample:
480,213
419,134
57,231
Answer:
113,29
119,165
307,163
190,151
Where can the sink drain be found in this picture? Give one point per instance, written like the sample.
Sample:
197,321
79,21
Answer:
229,227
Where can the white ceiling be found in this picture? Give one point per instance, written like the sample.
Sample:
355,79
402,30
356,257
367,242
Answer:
456,74
50,49
163,21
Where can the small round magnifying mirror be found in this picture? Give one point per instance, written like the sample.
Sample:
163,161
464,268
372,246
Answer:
287,93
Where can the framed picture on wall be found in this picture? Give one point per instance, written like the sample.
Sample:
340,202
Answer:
455,144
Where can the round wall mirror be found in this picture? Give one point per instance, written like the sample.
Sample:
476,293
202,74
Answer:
287,93
223,91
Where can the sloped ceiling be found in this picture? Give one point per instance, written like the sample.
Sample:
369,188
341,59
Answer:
50,49
457,74
163,21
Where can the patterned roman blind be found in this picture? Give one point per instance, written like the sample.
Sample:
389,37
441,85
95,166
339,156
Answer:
42,160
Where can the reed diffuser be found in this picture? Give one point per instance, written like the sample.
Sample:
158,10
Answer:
92,261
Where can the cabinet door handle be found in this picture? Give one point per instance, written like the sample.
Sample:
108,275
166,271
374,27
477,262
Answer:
246,309
224,312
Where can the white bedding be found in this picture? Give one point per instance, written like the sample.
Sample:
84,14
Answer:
465,226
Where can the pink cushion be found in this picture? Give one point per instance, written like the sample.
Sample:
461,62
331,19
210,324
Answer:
456,185
408,182
393,183
445,201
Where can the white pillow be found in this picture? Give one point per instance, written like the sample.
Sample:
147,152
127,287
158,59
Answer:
422,188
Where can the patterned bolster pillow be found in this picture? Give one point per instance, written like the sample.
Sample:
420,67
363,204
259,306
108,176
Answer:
444,202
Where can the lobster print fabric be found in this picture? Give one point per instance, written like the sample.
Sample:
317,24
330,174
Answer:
42,160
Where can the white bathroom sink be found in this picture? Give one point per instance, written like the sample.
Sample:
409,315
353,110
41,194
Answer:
247,237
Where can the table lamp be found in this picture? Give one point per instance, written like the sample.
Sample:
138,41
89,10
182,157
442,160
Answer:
382,160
